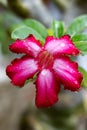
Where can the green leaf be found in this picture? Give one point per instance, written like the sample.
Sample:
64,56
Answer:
23,31
58,28
80,41
82,45
84,82
80,37
77,25
13,27
37,26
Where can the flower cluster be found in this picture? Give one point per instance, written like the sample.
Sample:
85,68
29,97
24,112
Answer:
51,64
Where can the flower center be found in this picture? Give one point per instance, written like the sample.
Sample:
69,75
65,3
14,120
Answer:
45,60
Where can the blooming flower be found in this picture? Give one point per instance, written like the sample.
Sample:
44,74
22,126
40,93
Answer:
51,64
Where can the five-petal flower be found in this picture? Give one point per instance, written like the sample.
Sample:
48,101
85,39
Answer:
50,62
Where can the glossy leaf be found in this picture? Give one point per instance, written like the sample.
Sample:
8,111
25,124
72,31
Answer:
77,25
37,26
13,27
80,41
82,45
23,31
58,28
84,82
80,37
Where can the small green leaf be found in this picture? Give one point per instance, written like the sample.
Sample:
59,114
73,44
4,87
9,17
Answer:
58,28
37,26
82,45
80,37
77,25
23,31
80,41
13,27
84,82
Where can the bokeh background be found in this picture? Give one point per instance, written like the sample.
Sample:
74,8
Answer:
17,106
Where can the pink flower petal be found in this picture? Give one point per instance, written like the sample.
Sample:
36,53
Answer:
47,89
62,45
29,46
21,69
67,72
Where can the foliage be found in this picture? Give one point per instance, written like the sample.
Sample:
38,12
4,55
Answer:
30,26
58,28
34,27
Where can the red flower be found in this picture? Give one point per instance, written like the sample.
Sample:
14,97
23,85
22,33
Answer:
51,64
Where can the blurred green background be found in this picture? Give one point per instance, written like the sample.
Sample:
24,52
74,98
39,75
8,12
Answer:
17,107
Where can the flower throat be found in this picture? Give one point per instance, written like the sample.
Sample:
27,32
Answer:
45,60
